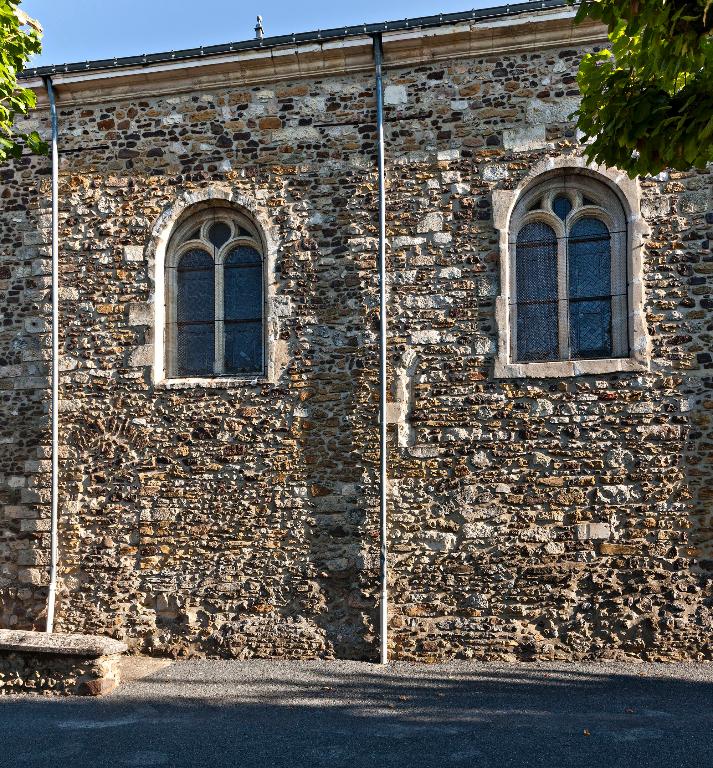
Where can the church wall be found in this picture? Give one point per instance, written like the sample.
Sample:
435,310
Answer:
25,223
560,517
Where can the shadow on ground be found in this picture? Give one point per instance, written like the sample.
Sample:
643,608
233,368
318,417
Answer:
320,714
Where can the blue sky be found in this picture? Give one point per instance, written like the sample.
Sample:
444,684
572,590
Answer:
77,30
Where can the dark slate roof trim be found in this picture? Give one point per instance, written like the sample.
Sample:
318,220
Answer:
302,37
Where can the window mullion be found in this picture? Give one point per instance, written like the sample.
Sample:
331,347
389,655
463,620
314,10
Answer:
563,298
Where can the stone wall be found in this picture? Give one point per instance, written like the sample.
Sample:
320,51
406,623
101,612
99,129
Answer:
25,222
529,518
49,674
54,664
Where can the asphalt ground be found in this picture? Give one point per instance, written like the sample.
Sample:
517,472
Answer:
245,714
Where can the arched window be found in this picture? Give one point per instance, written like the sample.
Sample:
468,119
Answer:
215,296
569,295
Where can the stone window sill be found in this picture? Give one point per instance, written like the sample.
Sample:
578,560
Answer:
214,382
567,368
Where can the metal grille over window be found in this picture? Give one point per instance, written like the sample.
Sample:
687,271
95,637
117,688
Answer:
570,293
219,234
590,299
562,206
215,302
195,314
536,273
243,311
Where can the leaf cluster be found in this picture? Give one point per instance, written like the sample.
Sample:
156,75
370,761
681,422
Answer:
647,101
20,38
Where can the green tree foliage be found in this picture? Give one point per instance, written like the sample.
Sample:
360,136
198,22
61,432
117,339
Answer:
19,40
647,102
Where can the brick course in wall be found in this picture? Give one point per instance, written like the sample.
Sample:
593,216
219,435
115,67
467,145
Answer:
529,518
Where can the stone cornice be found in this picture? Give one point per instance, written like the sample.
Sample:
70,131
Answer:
530,32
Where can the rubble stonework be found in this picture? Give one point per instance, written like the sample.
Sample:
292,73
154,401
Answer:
47,663
529,518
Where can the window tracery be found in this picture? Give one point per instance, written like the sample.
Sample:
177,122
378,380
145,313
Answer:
569,285
215,296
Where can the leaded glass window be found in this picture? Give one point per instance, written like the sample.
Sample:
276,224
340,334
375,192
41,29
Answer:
569,295
589,263
243,310
195,307
537,323
562,206
215,296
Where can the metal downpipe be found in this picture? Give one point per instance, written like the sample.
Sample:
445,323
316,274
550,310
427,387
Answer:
52,592
383,477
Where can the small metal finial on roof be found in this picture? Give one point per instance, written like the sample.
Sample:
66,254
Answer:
259,31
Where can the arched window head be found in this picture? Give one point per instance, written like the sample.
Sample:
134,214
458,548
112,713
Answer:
569,289
215,295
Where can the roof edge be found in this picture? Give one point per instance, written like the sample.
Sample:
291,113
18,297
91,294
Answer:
267,43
